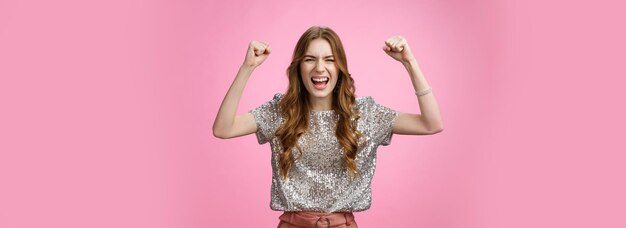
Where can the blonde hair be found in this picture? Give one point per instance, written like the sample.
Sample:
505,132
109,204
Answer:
295,105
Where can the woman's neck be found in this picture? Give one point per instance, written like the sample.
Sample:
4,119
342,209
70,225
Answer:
321,103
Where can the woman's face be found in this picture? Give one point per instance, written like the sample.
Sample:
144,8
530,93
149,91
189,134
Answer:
318,69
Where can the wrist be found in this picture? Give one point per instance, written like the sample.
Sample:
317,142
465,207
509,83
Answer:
247,67
245,71
409,63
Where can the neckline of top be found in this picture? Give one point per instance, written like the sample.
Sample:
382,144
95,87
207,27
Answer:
322,111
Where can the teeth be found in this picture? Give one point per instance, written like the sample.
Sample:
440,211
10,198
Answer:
320,79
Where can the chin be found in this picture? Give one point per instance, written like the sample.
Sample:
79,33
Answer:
320,93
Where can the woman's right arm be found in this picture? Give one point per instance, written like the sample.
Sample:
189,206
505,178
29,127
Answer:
227,123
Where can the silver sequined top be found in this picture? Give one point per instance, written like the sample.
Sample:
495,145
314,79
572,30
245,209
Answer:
319,181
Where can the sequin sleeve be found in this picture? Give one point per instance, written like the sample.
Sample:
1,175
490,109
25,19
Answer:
267,118
382,119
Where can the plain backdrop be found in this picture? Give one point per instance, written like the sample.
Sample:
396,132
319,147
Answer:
106,110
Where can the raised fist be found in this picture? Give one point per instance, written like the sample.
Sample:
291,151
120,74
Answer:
257,53
398,48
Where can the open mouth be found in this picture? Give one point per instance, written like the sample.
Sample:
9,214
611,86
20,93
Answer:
320,82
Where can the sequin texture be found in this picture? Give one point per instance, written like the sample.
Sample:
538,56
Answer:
319,180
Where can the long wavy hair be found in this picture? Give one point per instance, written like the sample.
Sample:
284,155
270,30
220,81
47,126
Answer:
295,105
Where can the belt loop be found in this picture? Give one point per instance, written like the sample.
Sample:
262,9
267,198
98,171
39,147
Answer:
327,221
345,215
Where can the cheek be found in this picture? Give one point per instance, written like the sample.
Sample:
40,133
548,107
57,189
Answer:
333,71
305,69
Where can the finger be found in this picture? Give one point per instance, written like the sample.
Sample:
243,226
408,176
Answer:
253,47
256,44
393,46
405,44
268,49
394,49
259,49
387,42
265,48
394,40
400,45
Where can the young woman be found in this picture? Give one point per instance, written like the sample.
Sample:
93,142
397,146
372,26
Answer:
323,138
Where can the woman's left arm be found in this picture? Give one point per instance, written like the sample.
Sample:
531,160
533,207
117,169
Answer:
429,121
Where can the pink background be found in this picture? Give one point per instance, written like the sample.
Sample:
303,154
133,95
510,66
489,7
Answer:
107,108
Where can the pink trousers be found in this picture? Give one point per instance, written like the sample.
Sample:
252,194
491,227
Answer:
301,219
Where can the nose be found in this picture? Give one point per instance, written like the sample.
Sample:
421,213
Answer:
319,67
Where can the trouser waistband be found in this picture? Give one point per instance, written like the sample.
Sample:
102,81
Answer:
317,219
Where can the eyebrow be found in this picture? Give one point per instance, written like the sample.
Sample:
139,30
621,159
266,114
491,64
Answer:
328,56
